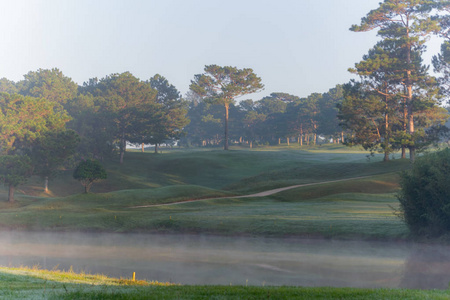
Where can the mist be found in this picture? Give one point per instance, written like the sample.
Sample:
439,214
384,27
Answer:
187,259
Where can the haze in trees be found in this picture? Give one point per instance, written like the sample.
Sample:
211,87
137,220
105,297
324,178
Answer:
275,118
169,117
50,151
23,120
124,103
91,124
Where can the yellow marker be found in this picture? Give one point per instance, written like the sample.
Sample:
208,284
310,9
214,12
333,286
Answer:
134,276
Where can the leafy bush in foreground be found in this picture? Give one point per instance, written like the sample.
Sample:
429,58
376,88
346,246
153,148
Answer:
425,195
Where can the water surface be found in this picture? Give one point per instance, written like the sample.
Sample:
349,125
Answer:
188,259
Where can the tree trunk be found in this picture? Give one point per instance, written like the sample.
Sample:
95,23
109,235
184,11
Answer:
279,141
156,148
123,144
46,184
287,140
225,147
342,136
386,156
12,189
251,144
122,153
412,148
142,148
403,151
301,134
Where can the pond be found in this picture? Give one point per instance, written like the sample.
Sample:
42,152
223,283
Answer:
192,259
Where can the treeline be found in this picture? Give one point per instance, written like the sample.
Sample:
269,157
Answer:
46,119
107,113
278,118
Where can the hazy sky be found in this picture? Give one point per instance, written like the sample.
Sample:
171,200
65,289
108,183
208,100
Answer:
295,46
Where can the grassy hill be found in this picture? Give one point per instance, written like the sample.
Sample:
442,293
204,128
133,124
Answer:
361,206
241,169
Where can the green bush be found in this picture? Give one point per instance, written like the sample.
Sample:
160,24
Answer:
425,195
89,171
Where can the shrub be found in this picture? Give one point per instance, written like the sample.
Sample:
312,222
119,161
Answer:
89,171
425,195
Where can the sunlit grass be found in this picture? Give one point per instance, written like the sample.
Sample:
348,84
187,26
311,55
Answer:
69,276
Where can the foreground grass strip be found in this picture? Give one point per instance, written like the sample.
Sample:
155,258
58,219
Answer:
33,283
240,292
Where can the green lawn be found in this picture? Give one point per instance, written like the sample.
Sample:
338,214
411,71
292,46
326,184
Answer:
338,215
217,169
362,208
39,284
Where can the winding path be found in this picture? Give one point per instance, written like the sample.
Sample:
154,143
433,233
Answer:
260,194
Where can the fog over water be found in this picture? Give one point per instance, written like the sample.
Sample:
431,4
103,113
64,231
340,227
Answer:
189,259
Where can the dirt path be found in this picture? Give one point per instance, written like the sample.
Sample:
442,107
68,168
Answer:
260,194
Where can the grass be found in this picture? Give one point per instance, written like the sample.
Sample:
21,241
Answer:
215,169
360,208
25,283
353,208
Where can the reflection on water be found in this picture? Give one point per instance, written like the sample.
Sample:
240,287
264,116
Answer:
189,259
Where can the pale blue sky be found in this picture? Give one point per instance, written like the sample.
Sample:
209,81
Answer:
295,46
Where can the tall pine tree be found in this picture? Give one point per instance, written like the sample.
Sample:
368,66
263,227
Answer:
408,24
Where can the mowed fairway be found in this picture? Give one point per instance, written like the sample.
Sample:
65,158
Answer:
362,207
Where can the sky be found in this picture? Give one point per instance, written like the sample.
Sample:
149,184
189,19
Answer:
296,46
